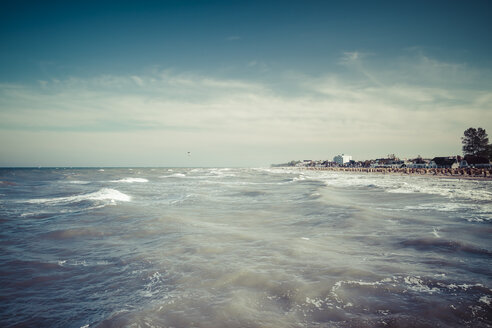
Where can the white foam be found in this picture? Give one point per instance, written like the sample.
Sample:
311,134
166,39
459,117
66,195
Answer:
79,182
443,207
131,180
226,172
316,302
416,284
478,219
175,175
485,299
83,263
299,178
27,214
449,188
435,232
102,194
153,286
413,283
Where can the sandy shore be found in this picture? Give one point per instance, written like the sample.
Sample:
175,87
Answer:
468,173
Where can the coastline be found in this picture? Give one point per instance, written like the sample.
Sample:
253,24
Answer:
448,173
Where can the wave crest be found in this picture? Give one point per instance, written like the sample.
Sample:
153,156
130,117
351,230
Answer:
131,180
102,194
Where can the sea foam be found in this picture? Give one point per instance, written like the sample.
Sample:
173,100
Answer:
175,175
131,180
102,194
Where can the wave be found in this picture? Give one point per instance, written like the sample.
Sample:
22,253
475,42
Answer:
175,175
444,207
449,188
74,233
46,214
416,283
131,180
78,182
436,244
102,194
453,191
83,263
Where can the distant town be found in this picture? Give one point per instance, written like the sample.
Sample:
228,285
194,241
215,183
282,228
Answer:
391,161
476,149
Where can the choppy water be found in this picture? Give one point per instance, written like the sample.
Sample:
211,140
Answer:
242,248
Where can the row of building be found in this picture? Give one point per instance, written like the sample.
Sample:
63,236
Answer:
393,162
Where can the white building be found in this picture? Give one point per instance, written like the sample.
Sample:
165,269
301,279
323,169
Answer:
342,159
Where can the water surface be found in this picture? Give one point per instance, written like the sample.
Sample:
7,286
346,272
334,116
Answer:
242,248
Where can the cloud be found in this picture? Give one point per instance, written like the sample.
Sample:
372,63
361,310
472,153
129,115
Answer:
233,38
350,56
137,80
327,114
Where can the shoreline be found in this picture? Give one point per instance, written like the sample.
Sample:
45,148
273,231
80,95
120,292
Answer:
448,173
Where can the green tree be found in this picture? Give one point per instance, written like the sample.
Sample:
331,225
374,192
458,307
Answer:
475,142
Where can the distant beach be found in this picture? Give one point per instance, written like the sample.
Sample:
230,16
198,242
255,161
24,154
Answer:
454,173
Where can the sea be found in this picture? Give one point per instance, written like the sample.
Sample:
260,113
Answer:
242,247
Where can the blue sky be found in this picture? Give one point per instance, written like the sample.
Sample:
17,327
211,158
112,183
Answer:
239,83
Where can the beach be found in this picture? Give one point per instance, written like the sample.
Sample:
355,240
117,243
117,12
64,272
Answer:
456,173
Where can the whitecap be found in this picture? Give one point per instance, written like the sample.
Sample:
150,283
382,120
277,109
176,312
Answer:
175,175
485,299
417,284
131,180
451,188
82,263
102,194
78,182
443,207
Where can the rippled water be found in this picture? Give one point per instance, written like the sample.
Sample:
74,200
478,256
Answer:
242,248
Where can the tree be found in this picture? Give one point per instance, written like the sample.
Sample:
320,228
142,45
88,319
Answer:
475,142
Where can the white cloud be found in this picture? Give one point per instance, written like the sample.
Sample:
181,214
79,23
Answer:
350,56
137,80
232,118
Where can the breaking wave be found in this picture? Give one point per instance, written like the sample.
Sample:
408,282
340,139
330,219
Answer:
449,188
436,244
102,194
131,180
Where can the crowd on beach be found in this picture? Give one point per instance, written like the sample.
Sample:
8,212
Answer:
451,166
449,172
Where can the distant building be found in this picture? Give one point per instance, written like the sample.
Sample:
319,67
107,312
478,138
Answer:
444,162
342,159
476,160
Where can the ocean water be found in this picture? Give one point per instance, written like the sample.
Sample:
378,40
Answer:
242,248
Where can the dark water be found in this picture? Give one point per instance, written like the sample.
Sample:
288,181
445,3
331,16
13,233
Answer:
242,248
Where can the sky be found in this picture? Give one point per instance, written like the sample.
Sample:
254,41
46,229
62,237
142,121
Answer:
239,83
